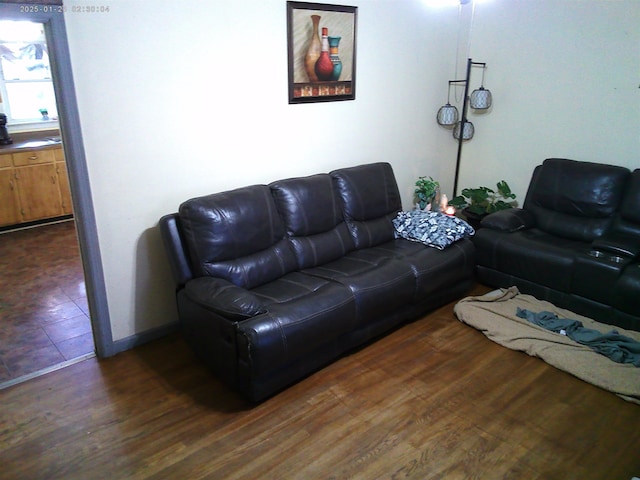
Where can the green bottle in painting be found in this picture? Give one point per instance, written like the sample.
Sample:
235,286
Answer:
334,42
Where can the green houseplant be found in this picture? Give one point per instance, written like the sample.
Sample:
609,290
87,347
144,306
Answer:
476,203
426,189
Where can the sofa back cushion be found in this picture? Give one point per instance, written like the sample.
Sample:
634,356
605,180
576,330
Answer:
575,200
630,209
370,202
237,235
312,213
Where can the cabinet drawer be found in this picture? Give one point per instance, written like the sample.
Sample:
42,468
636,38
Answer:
5,160
33,157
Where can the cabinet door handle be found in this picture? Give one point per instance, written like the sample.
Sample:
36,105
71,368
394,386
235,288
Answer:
53,179
33,157
11,184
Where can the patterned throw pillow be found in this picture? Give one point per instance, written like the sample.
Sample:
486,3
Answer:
434,229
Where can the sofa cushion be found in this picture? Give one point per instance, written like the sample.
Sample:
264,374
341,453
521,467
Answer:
370,200
431,228
312,213
379,284
628,221
303,312
575,200
237,235
627,292
630,210
532,254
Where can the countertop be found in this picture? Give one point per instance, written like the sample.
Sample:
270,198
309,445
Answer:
25,141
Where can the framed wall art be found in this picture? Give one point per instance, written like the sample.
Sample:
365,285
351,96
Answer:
321,43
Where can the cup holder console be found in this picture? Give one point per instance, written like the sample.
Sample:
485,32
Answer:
607,256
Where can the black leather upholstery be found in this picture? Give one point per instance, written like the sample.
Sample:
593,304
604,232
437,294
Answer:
575,242
275,281
370,199
238,236
312,213
576,200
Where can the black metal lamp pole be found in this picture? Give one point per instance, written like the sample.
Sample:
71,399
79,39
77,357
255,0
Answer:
463,122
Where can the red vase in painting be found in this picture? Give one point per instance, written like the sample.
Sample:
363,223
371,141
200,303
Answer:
324,65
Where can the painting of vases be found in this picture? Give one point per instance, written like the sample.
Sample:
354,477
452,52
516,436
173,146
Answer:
322,47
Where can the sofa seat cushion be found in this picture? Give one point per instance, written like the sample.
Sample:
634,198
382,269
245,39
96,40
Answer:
433,270
237,235
303,312
379,284
436,270
532,254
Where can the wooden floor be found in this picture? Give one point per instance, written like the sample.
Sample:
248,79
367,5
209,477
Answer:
433,400
44,316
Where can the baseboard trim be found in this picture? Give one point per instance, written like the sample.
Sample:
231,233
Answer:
147,336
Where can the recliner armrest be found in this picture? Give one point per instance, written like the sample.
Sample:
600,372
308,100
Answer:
224,298
510,220
618,243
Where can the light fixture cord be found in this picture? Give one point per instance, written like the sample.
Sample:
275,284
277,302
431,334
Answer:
471,22
458,41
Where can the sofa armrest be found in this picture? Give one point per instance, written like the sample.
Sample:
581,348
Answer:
618,243
224,298
510,220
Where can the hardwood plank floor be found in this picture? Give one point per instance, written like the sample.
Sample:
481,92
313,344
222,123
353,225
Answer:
44,315
432,400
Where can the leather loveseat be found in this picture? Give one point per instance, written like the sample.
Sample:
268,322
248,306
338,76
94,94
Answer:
276,281
575,242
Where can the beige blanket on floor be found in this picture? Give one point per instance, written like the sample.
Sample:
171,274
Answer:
494,314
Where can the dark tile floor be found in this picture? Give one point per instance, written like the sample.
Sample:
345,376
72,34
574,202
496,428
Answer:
44,318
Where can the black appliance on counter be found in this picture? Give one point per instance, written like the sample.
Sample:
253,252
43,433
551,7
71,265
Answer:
5,139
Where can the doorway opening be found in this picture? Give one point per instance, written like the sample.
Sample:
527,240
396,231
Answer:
76,291
44,314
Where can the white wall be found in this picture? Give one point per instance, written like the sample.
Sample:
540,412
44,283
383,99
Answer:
565,77
179,99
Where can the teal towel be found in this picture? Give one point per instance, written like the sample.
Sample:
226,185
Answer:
619,348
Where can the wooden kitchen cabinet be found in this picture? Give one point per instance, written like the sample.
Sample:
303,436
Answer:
63,183
38,192
6,160
9,202
34,186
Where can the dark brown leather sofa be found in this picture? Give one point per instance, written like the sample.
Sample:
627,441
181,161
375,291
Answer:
275,281
575,242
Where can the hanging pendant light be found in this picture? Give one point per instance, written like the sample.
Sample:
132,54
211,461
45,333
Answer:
467,131
480,97
448,114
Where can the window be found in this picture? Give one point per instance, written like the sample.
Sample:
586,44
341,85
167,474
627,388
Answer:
26,88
